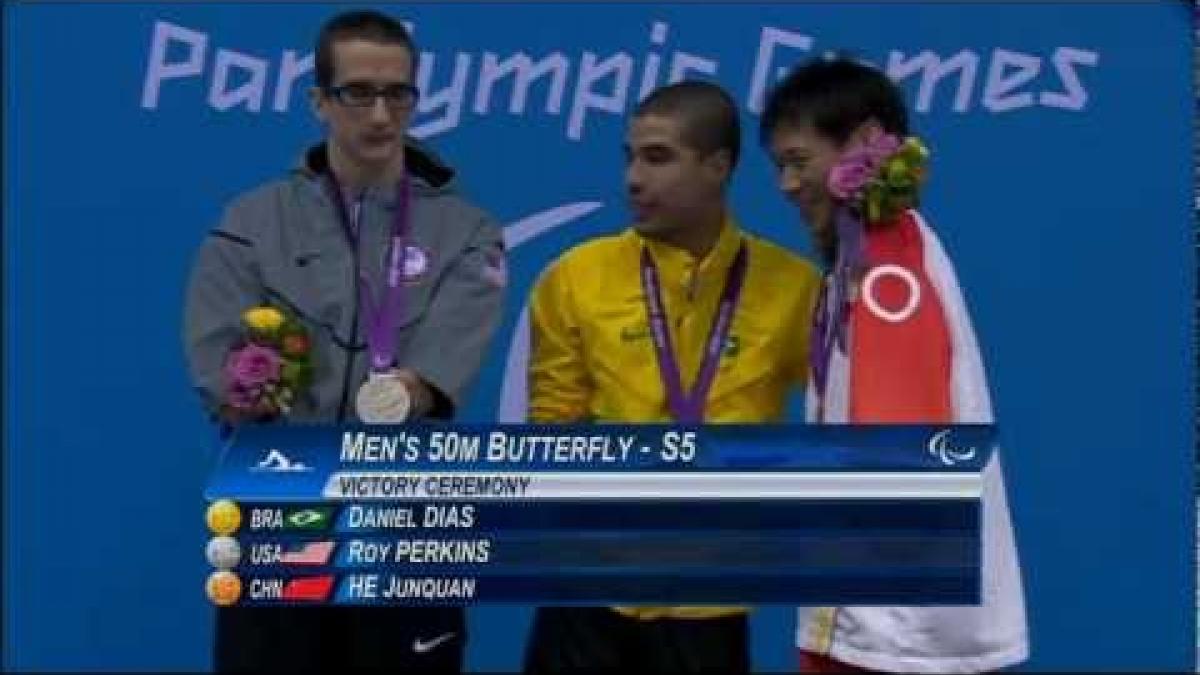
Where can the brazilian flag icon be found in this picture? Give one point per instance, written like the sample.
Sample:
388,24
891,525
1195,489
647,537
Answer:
308,519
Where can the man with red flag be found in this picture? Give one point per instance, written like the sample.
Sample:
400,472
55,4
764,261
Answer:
892,343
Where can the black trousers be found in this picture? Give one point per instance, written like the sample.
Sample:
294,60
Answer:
572,639
333,639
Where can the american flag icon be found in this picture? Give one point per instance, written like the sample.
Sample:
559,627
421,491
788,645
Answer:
308,553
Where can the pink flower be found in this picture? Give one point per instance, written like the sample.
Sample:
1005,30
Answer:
880,146
244,398
859,163
252,366
849,175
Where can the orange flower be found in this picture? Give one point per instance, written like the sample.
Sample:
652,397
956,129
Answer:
295,345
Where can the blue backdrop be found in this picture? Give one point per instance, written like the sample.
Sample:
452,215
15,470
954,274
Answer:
1060,184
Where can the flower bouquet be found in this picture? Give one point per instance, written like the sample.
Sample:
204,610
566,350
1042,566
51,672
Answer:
880,178
271,366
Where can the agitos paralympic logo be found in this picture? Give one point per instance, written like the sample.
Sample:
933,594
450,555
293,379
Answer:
946,452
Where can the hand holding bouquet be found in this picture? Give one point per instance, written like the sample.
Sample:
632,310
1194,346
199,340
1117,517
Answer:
270,367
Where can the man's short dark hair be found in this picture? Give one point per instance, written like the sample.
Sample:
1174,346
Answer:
708,114
835,96
358,25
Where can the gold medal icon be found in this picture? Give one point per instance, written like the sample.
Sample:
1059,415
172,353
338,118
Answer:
223,517
223,588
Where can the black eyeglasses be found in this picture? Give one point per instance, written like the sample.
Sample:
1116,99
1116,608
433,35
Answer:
400,95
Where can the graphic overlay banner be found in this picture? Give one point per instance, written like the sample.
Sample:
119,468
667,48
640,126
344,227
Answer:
425,515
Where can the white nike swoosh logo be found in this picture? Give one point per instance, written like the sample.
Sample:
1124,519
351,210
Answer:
420,646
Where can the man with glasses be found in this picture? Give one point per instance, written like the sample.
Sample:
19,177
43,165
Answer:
399,283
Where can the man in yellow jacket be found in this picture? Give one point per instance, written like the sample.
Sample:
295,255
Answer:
683,317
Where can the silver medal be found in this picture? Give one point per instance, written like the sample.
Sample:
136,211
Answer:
383,399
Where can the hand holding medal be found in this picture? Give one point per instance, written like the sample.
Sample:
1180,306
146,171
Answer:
392,397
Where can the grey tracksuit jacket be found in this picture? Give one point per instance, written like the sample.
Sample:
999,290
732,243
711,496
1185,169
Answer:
283,244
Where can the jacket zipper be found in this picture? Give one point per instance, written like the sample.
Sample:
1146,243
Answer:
349,357
357,280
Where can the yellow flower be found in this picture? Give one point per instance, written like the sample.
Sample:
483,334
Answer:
897,170
263,318
913,145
